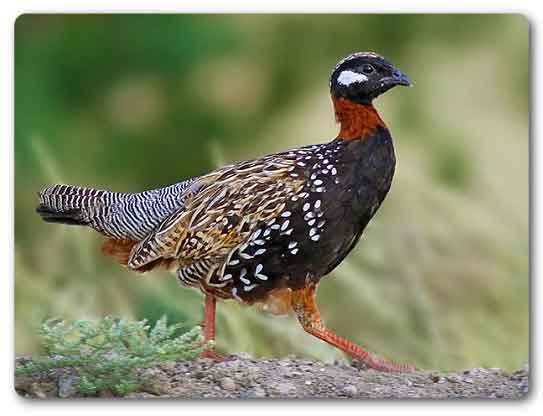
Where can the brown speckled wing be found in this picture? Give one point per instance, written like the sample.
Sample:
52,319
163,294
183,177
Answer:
219,217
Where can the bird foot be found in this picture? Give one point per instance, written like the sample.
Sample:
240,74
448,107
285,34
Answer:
304,305
380,364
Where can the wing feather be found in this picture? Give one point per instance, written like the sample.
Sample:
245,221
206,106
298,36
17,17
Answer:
219,218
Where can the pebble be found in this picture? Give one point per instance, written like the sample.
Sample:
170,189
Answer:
350,390
68,386
253,393
286,388
523,386
454,379
38,391
228,384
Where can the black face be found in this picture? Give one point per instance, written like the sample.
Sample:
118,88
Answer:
363,76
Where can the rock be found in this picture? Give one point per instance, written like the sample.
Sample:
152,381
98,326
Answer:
253,393
44,390
523,386
199,375
37,391
155,381
286,389
228,384
252,369
454,379
284,372
169,366
68,386
23,382
342,363
437,379
156,387
350,390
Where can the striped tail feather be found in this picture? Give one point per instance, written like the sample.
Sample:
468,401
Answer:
70,217
118,215
74,205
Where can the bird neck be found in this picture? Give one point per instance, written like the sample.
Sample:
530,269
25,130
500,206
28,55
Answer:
356,121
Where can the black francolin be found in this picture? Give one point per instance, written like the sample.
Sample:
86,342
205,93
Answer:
263,231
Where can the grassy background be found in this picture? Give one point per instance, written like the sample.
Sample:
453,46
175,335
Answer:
130,102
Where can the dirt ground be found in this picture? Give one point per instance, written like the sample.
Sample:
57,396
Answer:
243,377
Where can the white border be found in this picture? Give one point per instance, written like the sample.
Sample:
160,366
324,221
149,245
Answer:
12,8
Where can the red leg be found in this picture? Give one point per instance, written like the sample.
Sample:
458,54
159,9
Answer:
209,318
304,305
209,328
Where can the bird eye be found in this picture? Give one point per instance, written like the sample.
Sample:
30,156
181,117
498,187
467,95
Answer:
367,69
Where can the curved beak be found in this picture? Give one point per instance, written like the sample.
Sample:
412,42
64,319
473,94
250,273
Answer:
399,78
395,78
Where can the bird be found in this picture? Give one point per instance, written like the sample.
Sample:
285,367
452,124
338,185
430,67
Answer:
263,231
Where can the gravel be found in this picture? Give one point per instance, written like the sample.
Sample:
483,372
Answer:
243,377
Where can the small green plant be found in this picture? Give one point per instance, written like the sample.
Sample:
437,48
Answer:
106,353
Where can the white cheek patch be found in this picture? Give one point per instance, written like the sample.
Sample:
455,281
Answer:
349,77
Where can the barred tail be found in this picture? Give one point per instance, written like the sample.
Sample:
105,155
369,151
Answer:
118,215
75,205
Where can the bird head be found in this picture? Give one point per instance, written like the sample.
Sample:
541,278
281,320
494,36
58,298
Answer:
363,76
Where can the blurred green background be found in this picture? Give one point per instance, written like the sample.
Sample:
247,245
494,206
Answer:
130,102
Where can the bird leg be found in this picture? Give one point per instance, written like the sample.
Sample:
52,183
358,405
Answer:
304,305
209,328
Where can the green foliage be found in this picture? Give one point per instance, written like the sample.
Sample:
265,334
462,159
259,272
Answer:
107,352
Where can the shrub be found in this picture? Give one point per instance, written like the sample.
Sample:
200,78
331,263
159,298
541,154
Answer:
106,353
